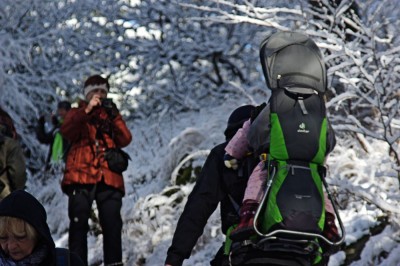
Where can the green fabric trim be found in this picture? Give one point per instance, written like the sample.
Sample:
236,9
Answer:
278,147
228,240
318,258
318,182
320,156
57,148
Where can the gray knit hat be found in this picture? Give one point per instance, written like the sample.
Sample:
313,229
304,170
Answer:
95,82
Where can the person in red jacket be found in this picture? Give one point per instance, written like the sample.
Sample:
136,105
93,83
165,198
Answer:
92,128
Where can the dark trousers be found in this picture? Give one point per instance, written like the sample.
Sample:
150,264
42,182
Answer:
220,259
109,203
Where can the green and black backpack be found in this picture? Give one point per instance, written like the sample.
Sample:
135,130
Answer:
291,216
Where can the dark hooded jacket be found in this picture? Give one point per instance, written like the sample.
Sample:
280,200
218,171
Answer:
20,204
215,184
12,165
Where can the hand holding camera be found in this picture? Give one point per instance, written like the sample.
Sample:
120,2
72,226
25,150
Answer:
107,103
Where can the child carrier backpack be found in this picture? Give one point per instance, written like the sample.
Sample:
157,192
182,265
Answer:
291,216
297,150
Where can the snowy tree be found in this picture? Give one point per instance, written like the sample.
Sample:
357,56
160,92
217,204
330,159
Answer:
202,53
47,48
360,49
202,48
181,64
367,94
184,63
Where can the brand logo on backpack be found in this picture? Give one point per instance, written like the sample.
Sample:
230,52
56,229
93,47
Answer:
302,128
300,197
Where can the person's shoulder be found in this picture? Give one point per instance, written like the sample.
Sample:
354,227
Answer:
219,148
74,113
9,142
76,109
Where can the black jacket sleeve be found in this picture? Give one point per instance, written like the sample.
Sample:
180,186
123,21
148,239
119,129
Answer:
75,260
41,134
202,202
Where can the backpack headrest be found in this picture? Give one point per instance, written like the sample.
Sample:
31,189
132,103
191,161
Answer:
292,59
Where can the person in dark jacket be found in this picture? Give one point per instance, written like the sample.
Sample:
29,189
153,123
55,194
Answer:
49,134
12,162
216,184
25,237
8,124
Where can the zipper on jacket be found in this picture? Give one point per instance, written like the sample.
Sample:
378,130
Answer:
96,143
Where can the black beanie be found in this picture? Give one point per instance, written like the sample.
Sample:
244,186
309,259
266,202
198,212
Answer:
237,118
23,205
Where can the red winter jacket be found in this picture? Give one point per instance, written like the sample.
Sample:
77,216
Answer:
85,162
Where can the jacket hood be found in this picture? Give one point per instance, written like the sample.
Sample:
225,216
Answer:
20,204
236,120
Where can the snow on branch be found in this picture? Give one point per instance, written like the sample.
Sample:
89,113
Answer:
359,192
193,155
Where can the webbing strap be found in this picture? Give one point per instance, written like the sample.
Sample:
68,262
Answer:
234,203
302,106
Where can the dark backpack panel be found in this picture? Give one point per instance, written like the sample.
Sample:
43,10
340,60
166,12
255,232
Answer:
300,202
294,201
300,132
273,254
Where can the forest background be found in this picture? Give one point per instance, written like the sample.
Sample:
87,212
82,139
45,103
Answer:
177,69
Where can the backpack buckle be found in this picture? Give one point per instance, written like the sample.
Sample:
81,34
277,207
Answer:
263,157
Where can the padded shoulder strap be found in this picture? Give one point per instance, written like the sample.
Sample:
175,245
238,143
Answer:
62,255
258,136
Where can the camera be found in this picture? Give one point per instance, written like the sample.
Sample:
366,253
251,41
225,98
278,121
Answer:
107,103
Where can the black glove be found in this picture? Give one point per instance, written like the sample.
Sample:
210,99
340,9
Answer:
257,111
54,120
113,111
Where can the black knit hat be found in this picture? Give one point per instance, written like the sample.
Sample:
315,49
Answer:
23,205
237,118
